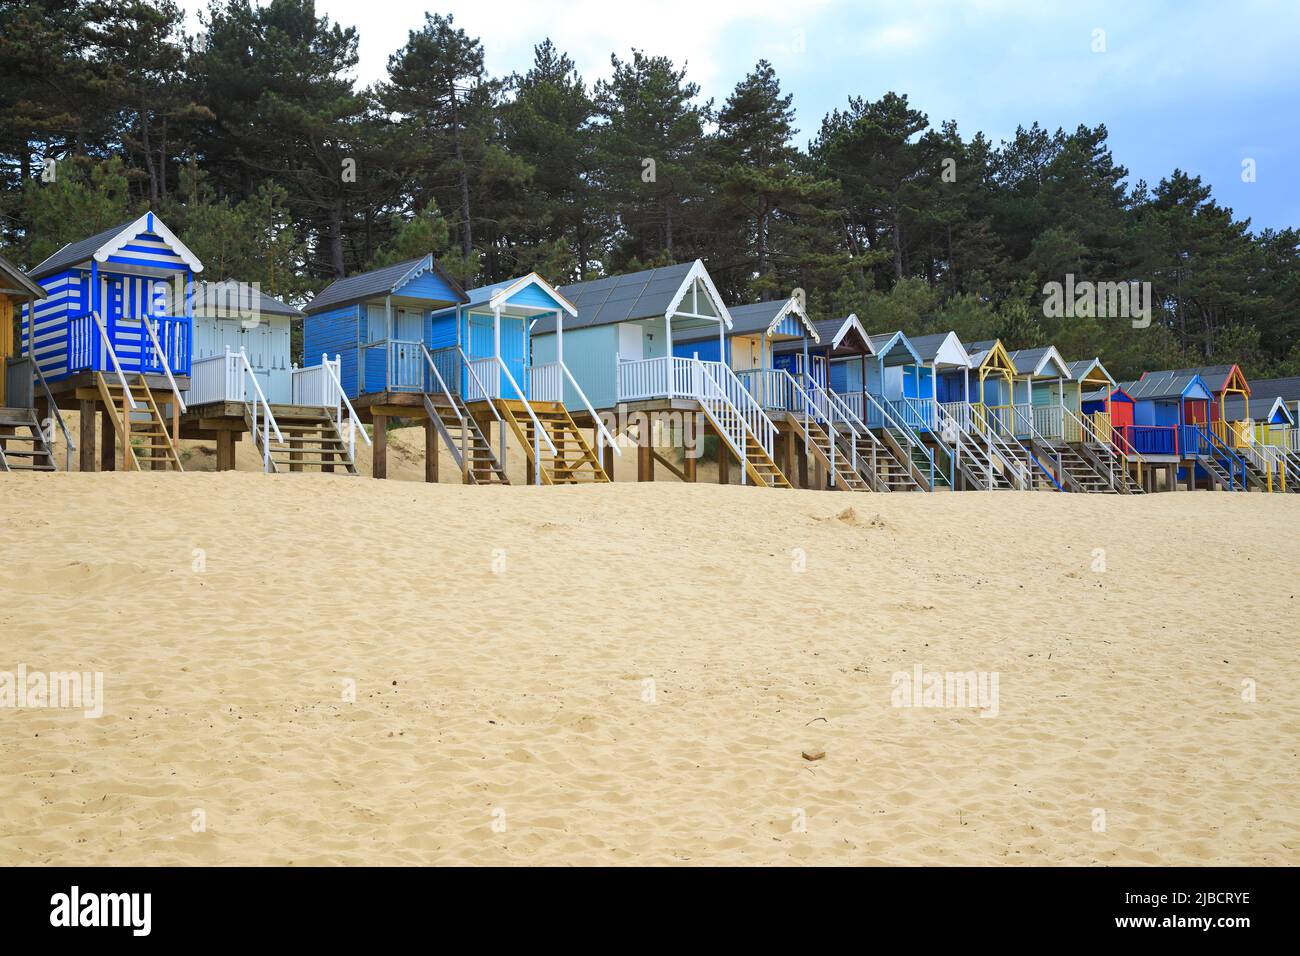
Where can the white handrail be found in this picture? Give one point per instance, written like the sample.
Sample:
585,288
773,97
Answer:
117,366
604,432
980,425
537,424
744,403
725,413
945,424
147,321
913,441
433,366
339,406
268,419
478,383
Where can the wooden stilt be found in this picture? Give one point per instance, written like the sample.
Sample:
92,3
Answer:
225,450
645,463
86,435
802,454
607,460
724,463
379,463
430,452
107,442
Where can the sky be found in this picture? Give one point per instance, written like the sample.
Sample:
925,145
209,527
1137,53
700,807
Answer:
1201,86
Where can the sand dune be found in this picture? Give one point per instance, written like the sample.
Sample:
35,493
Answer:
504,644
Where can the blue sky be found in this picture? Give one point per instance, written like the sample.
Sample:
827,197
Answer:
1196,85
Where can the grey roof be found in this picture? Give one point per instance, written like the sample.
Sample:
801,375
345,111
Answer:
77,252
881,341
637,295
1287,389
13,277
745,320
1162,385
376,282
232,297
1260,409
827,330
927,346
1214,376
1026,360
1081,367
978,351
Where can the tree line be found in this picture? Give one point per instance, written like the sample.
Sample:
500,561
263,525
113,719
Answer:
254,142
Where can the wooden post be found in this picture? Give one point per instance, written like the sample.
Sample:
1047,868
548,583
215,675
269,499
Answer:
86,438
430,452
107,441
724,463
607,455
226,450
379,462
645,463
802,454
787,455
126,429
295,454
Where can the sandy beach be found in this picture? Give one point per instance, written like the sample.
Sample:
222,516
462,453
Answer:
632,674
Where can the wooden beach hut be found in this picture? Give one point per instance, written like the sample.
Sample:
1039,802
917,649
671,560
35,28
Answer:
833,370
992,413
112,335
621,349
243,381
1090,432
1044,424
1178,402
969,458
23,444
414,345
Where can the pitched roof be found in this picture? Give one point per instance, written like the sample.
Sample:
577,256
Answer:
506,288
15,281
236,298
627,298
1163,385
1215,377
1235,408
755,318
1287,389
1030,361
1080,369
929,346
74,253
376,282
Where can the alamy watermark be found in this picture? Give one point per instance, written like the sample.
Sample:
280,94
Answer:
1100,300
58,690
975,690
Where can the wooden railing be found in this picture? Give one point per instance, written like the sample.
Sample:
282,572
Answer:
314,385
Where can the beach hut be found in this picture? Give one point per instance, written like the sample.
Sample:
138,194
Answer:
991,413
23,444
832,370
1040,419
969,458
1263,439
897,385
1091,433
112,334
243,381
768,346
414,345
1176,403
621,349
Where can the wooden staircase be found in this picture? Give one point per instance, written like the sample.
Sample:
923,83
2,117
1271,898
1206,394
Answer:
19,452
311,441
573,463
903,470
465,440
818,441
142,431
1073,471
